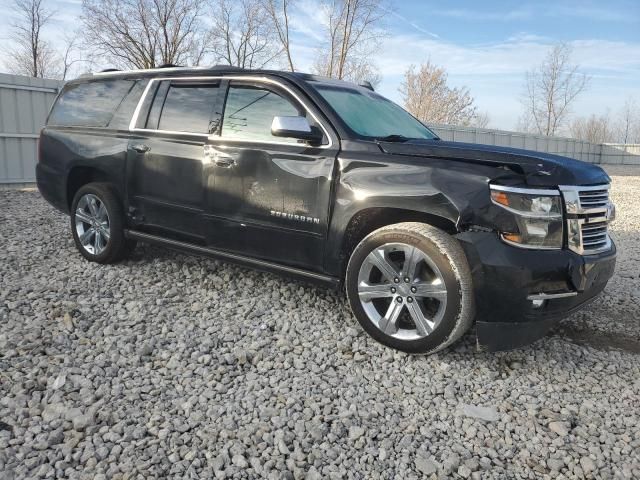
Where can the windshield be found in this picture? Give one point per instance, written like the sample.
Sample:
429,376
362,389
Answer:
371,115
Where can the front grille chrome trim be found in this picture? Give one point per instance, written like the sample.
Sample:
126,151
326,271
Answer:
587,210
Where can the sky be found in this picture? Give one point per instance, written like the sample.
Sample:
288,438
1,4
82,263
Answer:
485,46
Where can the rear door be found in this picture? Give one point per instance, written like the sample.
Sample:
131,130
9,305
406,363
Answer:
268,197
166,153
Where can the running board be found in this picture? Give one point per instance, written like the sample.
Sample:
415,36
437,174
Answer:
234,258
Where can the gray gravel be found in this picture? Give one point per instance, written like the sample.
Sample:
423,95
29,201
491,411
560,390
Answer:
169,365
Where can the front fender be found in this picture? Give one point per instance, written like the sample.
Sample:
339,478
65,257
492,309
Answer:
431,187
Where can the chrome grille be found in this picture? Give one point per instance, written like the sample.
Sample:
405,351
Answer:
594,236
588,213
594,198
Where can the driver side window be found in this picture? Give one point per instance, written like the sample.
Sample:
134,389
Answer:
249,112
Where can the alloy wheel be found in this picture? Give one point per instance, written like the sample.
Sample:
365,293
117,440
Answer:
92,224
402,291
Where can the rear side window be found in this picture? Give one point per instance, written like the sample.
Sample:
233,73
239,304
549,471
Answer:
189,108
89,104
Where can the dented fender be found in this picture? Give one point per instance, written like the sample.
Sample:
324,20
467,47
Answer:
456,194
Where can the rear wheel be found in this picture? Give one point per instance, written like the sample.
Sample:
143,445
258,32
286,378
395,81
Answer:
409,286
97,223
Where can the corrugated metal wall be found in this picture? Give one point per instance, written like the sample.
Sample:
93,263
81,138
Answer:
620,154
24,104
568,147
607,153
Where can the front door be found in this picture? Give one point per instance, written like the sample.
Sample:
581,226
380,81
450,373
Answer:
166,158
267,197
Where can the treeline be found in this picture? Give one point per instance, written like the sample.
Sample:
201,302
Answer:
551,91
257,34
249,34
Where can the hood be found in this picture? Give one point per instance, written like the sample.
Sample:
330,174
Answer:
538,168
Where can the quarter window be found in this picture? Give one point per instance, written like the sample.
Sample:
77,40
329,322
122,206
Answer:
90,104
188,108
249,112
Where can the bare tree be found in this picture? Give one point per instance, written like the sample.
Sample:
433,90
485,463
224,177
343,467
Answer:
144,33
594,129
352,33
628,128
72,56
32,54
279,13
362,69
428,97
481,120
243,34
551,89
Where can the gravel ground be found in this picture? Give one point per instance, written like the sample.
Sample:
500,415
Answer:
169,365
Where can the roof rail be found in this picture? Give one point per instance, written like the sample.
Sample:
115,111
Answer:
166,66
225,67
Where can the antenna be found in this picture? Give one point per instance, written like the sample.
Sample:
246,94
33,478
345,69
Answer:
367,84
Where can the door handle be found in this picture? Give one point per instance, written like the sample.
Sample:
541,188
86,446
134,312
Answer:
223,160
140,148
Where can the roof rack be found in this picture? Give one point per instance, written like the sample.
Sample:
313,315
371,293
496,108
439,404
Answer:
166,66
225,67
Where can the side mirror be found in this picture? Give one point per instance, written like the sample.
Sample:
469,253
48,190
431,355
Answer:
295,127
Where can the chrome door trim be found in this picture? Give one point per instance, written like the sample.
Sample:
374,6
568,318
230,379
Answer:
550,296
216,138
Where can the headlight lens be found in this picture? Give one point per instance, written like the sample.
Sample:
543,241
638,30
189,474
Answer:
538,216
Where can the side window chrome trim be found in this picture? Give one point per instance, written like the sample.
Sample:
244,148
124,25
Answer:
136,113
230,140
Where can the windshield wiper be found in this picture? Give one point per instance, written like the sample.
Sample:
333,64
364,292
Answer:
393,138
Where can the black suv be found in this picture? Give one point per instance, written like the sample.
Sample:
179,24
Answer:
329,181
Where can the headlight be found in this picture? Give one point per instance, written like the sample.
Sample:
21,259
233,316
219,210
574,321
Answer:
538,215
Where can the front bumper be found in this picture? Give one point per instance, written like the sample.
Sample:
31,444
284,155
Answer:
505,276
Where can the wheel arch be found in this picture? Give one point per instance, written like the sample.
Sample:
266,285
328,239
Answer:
81,175
365,221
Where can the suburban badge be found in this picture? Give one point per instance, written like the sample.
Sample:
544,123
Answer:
292,216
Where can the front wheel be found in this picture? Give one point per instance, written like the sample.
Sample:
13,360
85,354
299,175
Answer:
97,223
409,286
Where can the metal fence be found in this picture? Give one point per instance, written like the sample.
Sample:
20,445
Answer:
620,154
24,104
607,153
25,101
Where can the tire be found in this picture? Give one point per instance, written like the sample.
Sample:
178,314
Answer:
424,302
101,199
